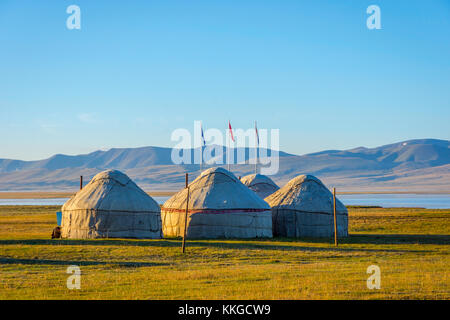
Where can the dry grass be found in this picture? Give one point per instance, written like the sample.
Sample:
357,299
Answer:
55,195
411,246
35,195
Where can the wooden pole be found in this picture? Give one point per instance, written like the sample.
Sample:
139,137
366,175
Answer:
335,220
185,221
186,215
81,182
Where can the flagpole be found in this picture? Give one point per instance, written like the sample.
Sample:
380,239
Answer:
201,149
203,144
228,146
256,147
256,162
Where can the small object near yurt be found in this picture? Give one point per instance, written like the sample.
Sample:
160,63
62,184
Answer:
111,206
304,208
260,184
220,206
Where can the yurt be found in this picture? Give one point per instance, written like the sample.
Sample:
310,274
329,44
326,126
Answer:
219,206
111,206
304,208
260,184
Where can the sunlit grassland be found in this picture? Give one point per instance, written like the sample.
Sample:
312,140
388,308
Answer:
411,246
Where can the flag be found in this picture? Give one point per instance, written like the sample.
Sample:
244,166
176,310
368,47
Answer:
231,130
203,136
257,135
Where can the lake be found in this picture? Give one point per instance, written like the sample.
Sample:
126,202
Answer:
429,201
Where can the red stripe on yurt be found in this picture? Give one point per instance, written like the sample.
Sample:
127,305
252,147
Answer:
214,211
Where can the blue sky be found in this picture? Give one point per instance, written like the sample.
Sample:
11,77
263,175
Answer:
136,72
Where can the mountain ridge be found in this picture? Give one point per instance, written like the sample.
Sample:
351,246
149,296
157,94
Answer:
411,164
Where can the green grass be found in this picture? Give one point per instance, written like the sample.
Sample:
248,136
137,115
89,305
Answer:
411,246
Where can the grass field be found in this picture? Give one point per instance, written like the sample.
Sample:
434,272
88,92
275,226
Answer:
411,247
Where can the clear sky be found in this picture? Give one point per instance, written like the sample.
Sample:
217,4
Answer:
138,70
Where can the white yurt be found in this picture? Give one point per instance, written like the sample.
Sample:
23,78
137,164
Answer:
220,206
304,208
260,184
111,206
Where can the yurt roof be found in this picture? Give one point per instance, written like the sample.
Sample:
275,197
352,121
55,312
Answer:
216,188
305,193
112,190
254,179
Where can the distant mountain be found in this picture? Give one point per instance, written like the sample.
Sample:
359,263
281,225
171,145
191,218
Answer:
414,165
118,158
413,154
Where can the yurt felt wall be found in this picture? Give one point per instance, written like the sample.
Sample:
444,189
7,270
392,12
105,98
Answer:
220,206
304,208
111,206
260,184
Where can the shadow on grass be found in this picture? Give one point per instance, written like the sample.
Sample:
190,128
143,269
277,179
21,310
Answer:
377,239
94,242
79,263
437,239
291,244
400,239
263,246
